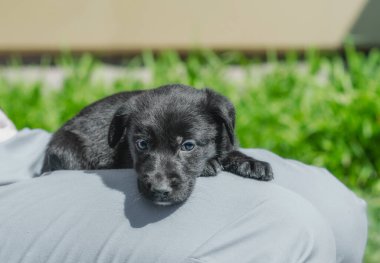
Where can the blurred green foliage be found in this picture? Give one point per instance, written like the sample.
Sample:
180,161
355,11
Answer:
322,110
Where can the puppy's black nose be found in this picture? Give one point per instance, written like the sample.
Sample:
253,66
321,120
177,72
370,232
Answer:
161,191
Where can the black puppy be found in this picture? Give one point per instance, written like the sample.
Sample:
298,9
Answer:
170,135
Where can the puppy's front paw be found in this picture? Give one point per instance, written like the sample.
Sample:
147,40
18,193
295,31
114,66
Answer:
245,166
255,169
213,167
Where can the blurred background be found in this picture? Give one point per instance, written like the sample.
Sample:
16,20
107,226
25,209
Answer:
304,75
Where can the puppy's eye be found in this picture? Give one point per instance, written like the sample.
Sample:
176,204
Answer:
188,145
142,145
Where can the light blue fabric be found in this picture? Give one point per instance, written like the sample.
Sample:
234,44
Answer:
304,215
21,156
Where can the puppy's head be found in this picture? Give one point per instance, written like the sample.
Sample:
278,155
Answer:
171,134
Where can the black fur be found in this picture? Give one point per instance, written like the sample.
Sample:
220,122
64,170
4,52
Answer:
104,136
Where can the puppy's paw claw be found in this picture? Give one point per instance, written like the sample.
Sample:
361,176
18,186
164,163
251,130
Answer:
212,168
256,169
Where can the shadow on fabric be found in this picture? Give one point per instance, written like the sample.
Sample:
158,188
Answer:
139,211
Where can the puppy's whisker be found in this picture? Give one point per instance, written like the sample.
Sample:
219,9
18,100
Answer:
136,197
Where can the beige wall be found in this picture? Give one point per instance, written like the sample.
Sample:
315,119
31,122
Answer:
37,25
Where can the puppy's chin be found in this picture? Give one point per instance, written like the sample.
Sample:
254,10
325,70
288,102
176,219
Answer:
174,199
163,203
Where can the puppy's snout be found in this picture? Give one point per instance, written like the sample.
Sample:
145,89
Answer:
160,187
161,190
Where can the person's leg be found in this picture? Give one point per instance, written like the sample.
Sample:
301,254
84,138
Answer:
99,216
335,202
344,211
280,227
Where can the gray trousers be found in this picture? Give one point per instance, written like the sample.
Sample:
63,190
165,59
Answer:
304,215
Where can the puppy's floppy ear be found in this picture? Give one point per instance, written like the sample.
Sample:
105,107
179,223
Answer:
118,125
223,110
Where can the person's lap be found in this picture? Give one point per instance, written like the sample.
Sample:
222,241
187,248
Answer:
99,215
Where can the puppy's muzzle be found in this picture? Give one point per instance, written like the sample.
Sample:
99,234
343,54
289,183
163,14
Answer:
159,193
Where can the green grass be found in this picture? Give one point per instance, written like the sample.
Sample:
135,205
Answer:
327,114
